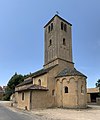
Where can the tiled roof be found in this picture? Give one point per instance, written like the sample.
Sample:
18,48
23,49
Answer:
33,75
38,87
93,90
70,72
59,18
37,73
25,82
42,71
32,87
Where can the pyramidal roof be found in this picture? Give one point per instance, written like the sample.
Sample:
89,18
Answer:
56,15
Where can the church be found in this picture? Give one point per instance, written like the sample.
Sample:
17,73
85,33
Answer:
59,83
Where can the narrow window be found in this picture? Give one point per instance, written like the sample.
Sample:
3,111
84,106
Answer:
53,92
48,29
50,42
66,89
39,82
61,25
65,27
23,96
51,26
64,41
82,89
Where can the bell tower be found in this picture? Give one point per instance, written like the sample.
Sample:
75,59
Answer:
58,42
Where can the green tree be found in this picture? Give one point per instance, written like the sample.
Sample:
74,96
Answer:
15,80
98,83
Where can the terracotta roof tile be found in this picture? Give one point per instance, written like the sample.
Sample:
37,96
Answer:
42,71
35,74
25,82
32,87
70,72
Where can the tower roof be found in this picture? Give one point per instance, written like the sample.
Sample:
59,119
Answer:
70,72
59,18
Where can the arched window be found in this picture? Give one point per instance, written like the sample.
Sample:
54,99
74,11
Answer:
66,89
61,25
50,42
39,82
49,29
65,27
53,92
51,26
64,41
22,95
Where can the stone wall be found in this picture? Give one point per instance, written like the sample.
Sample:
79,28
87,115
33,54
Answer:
40,99
57,49
88,98
43,79
76,96
24,104
98,100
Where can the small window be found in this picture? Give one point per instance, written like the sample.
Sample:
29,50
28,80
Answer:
64,41
39,82
53,92
51,26
65,27
66,89
61,25
82,89
49,29
23,96
50,42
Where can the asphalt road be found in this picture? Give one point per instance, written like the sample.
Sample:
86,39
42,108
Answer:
7,114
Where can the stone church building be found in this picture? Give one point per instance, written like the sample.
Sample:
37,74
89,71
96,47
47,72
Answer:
58,84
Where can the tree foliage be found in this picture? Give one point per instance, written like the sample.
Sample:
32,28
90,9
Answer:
98,83
15,80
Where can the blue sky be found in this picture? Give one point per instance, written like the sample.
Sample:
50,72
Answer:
22,35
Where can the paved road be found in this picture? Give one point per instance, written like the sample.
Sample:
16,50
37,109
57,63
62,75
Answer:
7,114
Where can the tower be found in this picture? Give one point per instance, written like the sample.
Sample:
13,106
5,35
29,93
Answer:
58,42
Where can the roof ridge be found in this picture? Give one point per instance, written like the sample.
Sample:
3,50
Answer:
59,18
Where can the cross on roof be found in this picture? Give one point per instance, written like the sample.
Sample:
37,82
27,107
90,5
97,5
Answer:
57,12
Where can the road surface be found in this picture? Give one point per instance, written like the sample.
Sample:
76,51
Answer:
7,114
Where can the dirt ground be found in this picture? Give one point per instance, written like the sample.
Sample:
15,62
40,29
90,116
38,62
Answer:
92,113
